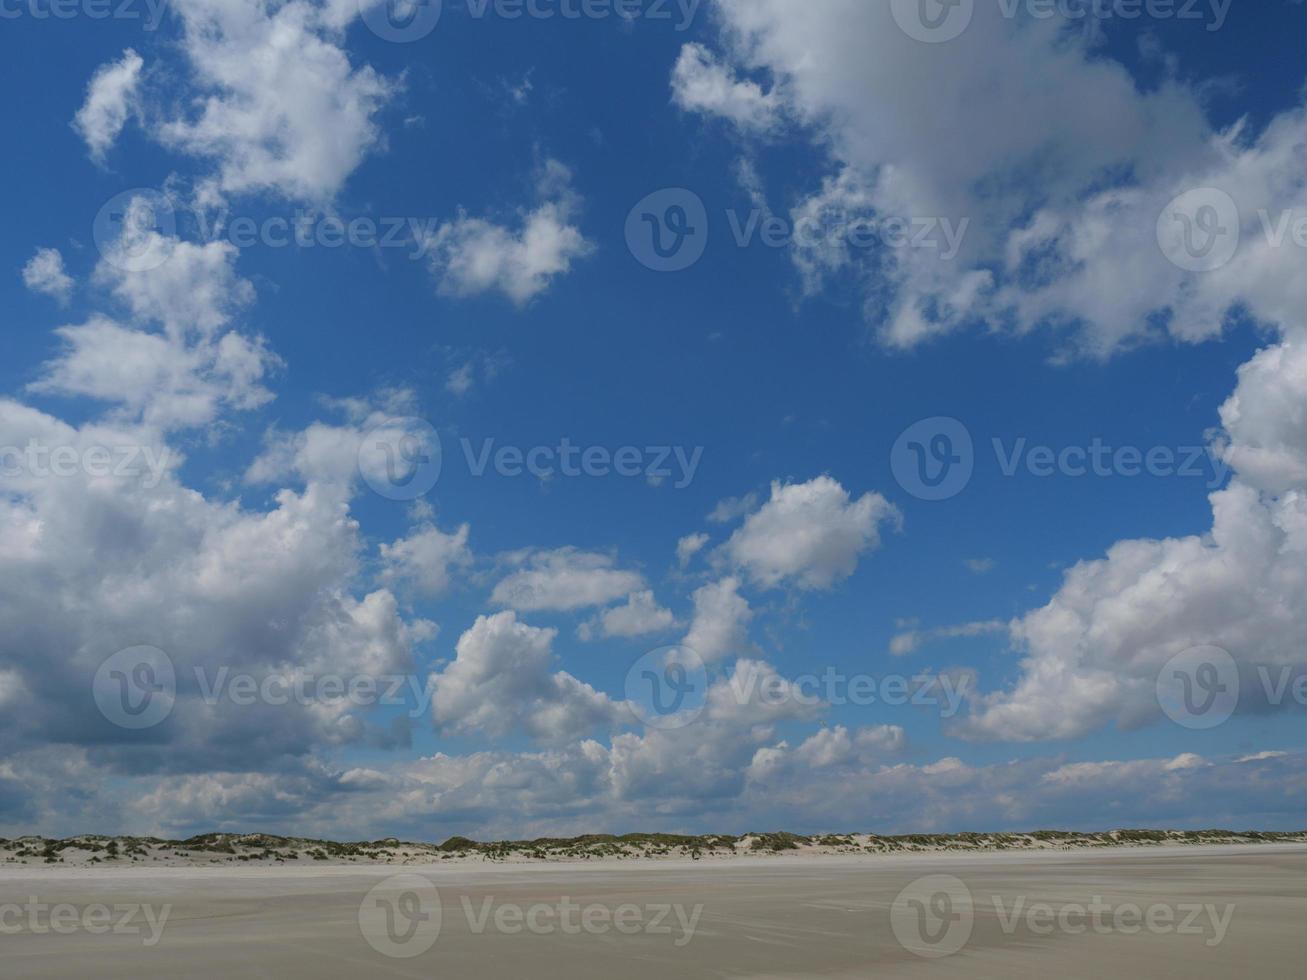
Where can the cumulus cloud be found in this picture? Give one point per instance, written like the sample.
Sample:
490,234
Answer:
809,534
100,563
471,255
640,616
110,98
336,454
689,546
44,273
701,83
279,106
865,87
502,680
909,641
564,580
119,552
1086,243
1093,653
428,558
178,376
719,628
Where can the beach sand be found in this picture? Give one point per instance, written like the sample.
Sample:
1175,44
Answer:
1206,912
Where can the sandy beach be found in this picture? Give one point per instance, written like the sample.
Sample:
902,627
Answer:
1184,912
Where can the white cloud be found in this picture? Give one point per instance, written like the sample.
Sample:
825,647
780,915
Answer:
326,453
110,97
1093,654
640,616
460,381
44,273
428,558
502,679
733,508
927,132
810,534
470,256
909,641
736,774
96,564
563,580
701,83
719,628
184,375
280,108
689,546
1265,419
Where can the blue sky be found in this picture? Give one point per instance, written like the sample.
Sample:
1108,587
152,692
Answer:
520,312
